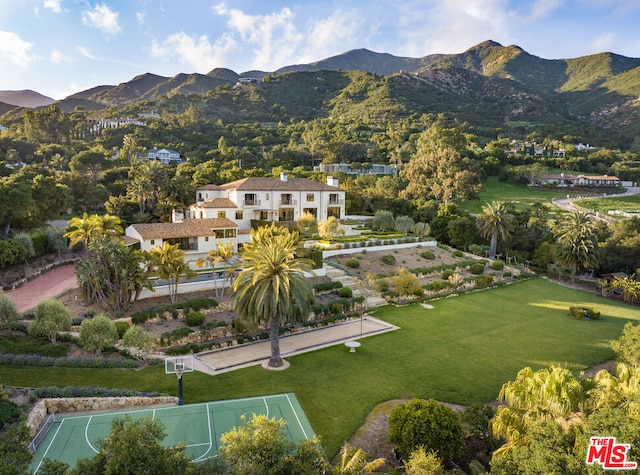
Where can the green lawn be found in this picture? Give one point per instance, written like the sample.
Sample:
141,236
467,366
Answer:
522,195
462,351
604,205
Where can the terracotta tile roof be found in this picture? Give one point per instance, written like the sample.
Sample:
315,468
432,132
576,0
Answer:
276,184
218,203
208,187
186,228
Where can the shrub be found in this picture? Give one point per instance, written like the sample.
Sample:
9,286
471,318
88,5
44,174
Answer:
194,319
506,274
447,273
353,263
475,249
382,285
476,268
327,286
8,311
345,292
98,334
435,286
336,308
51,317
497,265
121,328
428,255
11,252
580,313
457,253
389,259
484,280
427,424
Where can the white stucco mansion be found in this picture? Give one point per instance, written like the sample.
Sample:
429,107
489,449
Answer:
225,212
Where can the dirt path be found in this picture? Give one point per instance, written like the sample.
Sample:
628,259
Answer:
45,286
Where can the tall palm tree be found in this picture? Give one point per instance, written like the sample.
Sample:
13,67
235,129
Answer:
170,265
272,287
576,242
494,222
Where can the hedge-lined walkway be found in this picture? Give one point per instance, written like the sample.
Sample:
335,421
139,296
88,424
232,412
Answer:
45,286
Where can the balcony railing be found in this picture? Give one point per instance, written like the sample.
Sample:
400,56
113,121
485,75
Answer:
254,202
288,202
336,201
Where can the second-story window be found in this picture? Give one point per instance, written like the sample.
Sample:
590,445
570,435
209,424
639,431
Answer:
311,197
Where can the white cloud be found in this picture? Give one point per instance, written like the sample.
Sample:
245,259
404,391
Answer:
140,18
15,50
602,43
542,9
102,18
196,51
273,38
54,5
332,35
86,52
58,57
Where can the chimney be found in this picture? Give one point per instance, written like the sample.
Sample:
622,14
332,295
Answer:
283,176
332,181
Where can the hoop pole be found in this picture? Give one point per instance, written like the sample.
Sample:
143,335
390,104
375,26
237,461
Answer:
180,398
179,374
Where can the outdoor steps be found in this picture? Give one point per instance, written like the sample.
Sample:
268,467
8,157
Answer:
339,275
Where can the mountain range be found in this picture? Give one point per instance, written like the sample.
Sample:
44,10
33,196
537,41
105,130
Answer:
501,84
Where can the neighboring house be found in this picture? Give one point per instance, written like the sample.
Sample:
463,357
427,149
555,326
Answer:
281,199
163,155
564,180
367,169
195,236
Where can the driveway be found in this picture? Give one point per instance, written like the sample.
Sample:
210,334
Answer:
45,286
567,203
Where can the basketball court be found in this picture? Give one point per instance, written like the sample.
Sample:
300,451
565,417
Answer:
72,437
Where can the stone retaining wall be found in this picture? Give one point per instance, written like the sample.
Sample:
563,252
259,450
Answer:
44,407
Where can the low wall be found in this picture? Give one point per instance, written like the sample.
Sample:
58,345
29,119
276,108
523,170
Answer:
188,287
44,407
387,247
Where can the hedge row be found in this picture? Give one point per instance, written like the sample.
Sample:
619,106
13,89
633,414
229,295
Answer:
86,391
70,362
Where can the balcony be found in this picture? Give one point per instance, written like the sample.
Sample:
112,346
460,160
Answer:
336,201
288,202
251,202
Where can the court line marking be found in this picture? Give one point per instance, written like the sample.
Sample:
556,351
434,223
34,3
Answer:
48,447
264,399
86,435
295,413
210,437
169,408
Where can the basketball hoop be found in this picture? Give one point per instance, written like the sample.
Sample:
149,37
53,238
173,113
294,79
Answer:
178,366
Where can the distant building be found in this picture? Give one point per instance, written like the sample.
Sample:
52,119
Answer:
163,155
366,169
565,180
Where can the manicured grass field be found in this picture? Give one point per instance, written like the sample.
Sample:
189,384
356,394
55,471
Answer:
604,205
461,351
522,195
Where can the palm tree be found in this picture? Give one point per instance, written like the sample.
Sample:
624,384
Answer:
494,221
221,255
630,288
553,394
272,287
170,265
576,243
85,229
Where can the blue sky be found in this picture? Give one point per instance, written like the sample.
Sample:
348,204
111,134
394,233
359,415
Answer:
58,47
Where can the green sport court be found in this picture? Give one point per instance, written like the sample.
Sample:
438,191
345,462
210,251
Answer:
200,426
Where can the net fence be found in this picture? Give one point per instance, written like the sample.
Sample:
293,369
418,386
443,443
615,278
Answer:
42,433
